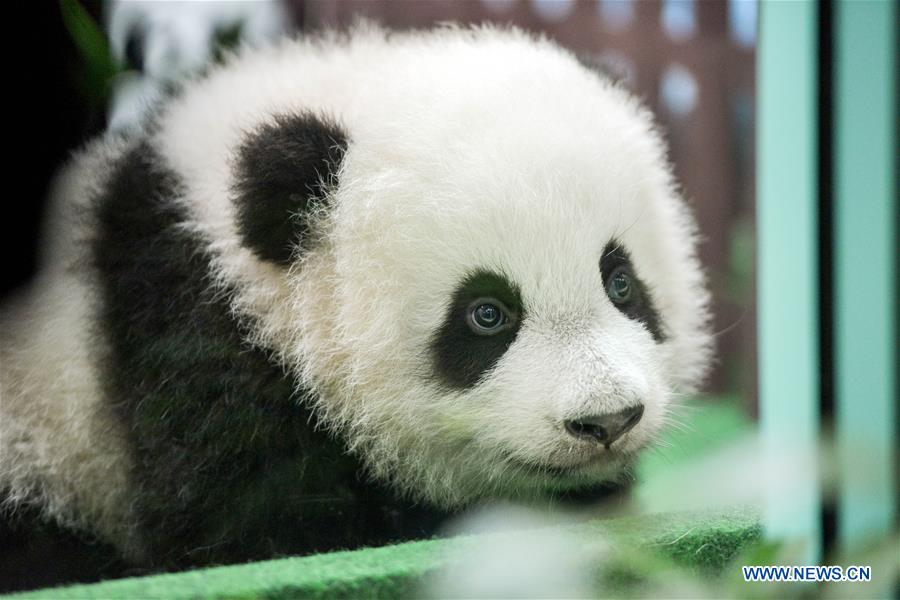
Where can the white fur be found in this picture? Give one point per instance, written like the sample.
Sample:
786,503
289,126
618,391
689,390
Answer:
61,448
468,149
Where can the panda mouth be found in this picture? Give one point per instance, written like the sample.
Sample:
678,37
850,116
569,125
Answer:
591,495
558,471
568,485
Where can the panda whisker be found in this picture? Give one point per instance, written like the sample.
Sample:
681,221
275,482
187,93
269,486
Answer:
620,233
740,318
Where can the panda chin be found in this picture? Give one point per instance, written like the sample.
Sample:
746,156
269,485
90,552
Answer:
589,486
603,465
590,495
569,472
587,482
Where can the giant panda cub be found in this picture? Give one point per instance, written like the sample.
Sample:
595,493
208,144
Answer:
340,288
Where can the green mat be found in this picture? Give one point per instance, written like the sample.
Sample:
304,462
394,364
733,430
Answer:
707,541
701,543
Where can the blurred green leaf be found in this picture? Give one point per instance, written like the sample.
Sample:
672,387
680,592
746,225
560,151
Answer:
226,40
99,67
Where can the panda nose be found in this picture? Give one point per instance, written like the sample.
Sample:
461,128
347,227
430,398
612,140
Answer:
605,428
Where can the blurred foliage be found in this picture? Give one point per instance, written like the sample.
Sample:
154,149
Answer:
740,262
226,40
704,425
649,572
739,291
98,68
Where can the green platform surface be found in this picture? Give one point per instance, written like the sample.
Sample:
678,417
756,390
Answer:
698,542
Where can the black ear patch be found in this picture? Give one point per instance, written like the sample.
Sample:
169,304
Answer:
282,170
640,307
460,356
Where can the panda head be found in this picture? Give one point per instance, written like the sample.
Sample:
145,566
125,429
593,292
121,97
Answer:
482,268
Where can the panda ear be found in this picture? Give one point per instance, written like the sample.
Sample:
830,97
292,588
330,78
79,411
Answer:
283,170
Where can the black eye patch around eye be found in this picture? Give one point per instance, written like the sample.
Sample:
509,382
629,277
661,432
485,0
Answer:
640,306
460,355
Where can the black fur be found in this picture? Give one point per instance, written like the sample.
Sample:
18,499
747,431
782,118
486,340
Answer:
283,170
461,357
641,306
229,466
35,552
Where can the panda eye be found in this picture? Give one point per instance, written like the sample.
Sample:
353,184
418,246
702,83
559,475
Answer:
620,287
487,316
